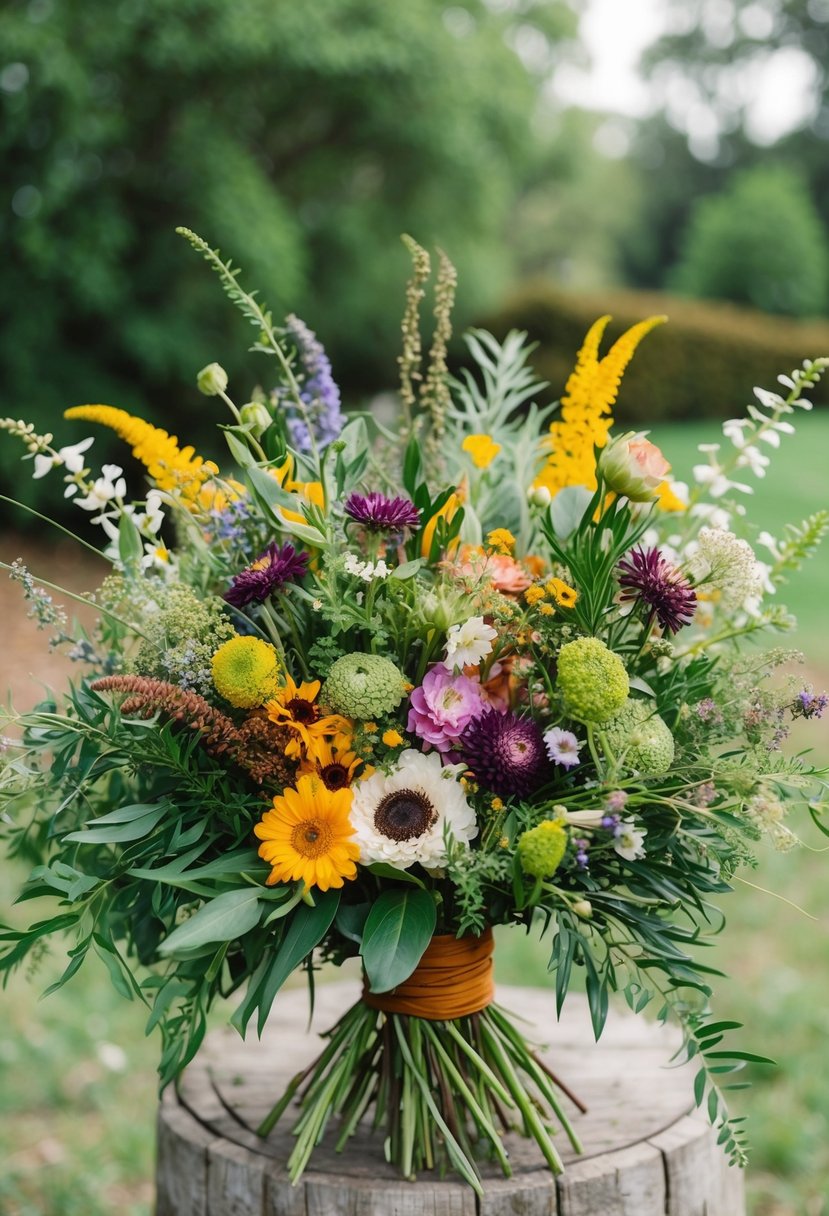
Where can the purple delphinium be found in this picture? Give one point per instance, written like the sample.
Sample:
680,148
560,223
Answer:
229,523
381,514
645,575
808,704
442,707
318,391
277,566
506,753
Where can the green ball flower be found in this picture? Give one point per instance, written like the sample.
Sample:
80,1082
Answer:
641,738
541,849
363,686
591,679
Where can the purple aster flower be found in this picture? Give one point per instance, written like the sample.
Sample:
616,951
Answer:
443,706
808,704
645,575
318,391
506,753
277,566
562,746
380,514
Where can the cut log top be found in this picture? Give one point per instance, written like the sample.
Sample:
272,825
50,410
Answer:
645,1153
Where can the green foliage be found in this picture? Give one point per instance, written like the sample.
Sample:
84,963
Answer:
760,242
309,137
698,366
398,929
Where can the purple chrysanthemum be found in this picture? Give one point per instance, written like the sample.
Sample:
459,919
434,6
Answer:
381,514
645,575
318,390
506,753
277,566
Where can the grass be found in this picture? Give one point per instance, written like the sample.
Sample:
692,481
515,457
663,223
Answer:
78,1098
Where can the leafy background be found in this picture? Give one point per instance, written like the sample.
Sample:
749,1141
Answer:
303,140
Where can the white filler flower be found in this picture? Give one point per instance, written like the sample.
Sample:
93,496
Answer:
469,643
401,817
630,840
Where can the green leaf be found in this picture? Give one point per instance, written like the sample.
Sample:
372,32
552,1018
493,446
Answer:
307,928
398,929
110,829
130,549
222,919
567,510
407,570
382,869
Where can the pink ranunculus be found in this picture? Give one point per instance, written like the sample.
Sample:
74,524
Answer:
632,466
443,706
508,576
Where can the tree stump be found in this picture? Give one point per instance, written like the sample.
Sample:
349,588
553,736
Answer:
647,1151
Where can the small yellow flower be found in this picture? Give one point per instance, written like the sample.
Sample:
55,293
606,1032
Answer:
503,843
546,610
370,728
392,738
563,595
497,804
534,594
501,540
667,498
482,448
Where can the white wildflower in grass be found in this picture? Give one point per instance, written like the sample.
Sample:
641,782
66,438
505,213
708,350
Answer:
110,485
562,746
629,840
468,644
404,817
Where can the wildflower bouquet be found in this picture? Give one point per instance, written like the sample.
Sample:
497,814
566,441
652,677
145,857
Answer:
383,688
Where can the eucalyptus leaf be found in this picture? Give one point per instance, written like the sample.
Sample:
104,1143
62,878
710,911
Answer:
567,510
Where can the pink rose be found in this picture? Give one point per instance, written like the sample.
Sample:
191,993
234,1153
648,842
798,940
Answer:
633,467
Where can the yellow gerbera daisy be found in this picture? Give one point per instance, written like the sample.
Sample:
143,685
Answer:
306,837
294,706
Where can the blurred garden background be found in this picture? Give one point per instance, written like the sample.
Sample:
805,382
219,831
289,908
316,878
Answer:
573,157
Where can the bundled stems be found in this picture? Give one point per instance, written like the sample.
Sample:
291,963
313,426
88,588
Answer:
443,1093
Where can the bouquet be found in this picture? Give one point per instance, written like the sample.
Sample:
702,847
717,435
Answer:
381,688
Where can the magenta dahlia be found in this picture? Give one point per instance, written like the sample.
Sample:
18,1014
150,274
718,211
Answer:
505,753
646,577
381,514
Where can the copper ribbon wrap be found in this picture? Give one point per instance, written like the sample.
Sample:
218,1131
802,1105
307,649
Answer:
453,979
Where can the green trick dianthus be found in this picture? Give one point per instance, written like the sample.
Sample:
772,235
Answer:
541,849
363,686
591,679
641,739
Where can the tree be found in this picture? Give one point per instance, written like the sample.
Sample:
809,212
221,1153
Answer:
302,139
761,243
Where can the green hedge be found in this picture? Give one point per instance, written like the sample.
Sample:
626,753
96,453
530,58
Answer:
702,364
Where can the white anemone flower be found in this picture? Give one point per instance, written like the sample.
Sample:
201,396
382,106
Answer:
469,643
403,817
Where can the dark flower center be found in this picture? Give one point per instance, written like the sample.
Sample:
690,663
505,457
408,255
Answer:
404,815
334,776
312,838
304,712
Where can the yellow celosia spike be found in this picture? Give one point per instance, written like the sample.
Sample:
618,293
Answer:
612,366
584,421
178,470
